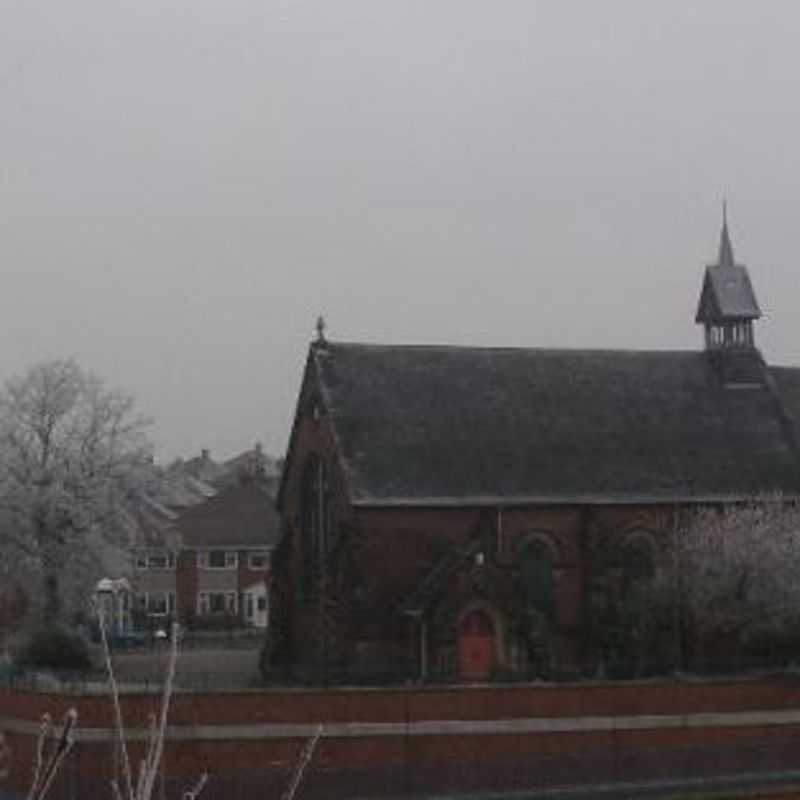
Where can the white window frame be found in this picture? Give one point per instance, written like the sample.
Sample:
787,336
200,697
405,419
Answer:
231,559
259,554
145,558
145,601
230,603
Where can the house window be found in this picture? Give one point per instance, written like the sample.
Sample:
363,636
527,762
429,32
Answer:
217,559
157,603
258,559
217,603
155,559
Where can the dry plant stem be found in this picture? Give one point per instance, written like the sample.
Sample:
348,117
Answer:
157,746
47,768
45,726
140,779
62,748
118,724
144,765
194,792
148,767
302,763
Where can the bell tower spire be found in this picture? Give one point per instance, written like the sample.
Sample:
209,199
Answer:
725,246
728,306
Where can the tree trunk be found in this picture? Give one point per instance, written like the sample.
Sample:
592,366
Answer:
51,610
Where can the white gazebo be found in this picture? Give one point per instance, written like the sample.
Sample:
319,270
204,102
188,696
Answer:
113,598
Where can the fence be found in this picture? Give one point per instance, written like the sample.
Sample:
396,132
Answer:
97,682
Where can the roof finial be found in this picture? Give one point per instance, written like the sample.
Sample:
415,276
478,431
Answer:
725,247
321,330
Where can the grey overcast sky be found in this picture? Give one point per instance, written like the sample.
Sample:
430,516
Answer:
186,184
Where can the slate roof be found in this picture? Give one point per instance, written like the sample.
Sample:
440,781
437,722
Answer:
438,425
156,505
727,291
787,383
218,474
240,515
727,294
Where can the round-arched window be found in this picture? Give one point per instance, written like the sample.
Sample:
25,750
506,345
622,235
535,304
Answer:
316,518
638,559
538,581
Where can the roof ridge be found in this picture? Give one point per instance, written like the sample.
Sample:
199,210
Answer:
518,349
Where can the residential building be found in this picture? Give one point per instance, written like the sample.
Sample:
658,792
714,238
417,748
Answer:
205,556
223,570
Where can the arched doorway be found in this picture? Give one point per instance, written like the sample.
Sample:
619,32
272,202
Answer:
476,646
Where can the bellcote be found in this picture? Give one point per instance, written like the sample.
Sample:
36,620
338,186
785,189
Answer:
728,305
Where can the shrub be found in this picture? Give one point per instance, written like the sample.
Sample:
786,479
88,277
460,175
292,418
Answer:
216,622
772,642
55,648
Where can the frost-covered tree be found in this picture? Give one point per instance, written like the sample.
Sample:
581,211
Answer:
13,606
737,569
72,452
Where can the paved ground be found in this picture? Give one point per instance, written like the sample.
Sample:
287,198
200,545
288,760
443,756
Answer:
208,667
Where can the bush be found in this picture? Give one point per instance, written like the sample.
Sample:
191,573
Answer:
55,648
216,622
772,642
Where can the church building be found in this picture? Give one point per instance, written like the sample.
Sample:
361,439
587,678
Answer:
456,513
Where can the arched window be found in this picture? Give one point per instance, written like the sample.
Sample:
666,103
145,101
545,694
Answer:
538,582
316,519
309,521
638,559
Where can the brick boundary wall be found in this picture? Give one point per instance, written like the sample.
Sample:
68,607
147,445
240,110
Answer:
427,728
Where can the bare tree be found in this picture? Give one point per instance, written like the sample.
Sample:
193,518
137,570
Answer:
71,453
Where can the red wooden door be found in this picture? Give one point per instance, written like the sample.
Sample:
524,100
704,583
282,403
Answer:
476,646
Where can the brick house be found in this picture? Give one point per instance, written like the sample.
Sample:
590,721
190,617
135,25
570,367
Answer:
455,511
208,562
223,568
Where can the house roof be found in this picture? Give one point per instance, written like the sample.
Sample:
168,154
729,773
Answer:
439,425
239,515
218,474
